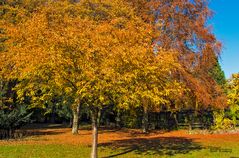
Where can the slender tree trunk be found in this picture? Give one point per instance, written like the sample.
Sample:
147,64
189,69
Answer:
175,119
75,123
71,123
117,119
1,92
98,118
95,114
145,120
10,133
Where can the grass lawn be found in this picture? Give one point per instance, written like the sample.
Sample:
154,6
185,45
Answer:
72,151
59,143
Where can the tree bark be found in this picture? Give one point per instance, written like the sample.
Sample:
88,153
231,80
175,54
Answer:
175,119
117,119
10,133
75,123
145,120
98,118
71,123
95,115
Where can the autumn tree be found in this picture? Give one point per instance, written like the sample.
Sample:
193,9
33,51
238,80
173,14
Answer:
183,27
146,81
13,13
85,49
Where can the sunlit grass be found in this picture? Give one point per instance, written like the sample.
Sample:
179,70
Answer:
74,151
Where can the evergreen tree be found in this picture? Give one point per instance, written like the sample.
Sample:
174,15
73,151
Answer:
218,74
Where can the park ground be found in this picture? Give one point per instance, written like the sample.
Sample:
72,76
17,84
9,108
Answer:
58,142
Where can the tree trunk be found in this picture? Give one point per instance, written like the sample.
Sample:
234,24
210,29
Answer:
10,133
145,120
95,115
98,118
175,119
117,119
75,123
71,123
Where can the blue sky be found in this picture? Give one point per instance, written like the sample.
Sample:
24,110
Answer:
226,27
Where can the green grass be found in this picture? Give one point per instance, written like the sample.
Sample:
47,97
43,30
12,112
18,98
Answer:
73,151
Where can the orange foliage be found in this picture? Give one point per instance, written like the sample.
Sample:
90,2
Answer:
80,43
183,27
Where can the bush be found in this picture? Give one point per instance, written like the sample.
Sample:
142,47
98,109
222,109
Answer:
12,119
221,122
131,118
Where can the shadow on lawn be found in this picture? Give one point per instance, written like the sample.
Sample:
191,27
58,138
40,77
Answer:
42,132
38,130
159,146
35,126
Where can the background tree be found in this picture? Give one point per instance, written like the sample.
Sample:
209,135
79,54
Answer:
147,81
183,27
218,74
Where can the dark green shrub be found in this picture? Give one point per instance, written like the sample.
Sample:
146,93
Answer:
12,119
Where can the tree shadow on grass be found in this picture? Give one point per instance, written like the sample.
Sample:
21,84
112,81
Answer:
35,126
40,133
22,134
159,146
38,129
